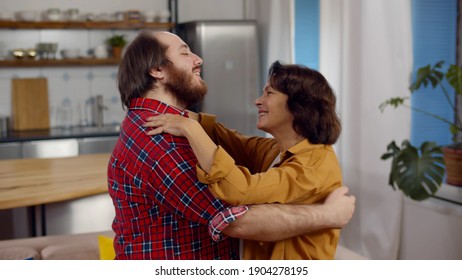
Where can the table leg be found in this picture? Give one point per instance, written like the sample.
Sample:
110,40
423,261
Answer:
43,219
33,222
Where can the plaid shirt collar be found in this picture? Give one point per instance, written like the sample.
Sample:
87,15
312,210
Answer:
155,106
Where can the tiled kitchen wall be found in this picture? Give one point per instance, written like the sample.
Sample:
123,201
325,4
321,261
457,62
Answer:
69,88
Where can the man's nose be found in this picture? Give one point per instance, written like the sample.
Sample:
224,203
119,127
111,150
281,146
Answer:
198,60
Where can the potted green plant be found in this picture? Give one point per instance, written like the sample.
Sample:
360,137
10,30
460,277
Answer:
419,172
117,42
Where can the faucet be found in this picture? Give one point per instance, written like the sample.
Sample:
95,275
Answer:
99,107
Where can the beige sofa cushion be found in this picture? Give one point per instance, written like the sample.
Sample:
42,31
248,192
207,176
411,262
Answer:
19,253
75,250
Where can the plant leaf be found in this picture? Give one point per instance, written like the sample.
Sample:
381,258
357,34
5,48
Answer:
428,74
454,77
418,173
393,152
394,102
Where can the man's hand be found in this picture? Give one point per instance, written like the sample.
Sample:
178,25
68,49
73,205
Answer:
340,206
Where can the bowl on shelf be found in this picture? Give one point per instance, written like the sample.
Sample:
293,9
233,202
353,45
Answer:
18,53
53,14
70,53
31,53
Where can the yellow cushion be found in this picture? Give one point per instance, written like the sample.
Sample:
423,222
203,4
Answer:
106,248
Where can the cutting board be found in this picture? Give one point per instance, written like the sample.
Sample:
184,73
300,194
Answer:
29,99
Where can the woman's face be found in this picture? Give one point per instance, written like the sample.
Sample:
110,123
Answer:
273,115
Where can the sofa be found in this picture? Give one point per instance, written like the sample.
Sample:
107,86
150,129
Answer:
84,246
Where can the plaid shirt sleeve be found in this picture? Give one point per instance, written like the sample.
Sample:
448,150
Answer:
221,220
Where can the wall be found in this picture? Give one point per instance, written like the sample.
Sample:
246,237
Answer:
75,86
191,10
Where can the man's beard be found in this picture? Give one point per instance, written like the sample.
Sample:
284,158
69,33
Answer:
181,84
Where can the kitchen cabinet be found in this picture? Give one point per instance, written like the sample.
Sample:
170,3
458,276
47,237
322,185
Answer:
96,145
10,150
50,148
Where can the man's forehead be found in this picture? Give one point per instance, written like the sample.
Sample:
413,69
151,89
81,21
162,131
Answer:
170,39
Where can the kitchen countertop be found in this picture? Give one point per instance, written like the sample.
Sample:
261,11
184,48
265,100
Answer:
60,133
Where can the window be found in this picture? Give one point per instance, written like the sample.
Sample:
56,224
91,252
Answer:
459,53
434,39
307,30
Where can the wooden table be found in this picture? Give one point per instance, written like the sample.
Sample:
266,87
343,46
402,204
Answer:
31,182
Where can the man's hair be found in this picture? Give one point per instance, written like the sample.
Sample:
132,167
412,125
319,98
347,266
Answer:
311,100
143,54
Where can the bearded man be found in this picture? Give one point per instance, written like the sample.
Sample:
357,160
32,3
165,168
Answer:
162,211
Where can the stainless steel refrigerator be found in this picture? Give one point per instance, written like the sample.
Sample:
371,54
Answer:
230,50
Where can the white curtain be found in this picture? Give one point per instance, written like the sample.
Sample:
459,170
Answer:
275,25
366,54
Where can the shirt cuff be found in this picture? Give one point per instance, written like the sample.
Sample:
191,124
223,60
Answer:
221,220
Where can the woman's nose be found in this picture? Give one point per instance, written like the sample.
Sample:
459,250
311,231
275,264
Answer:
258,101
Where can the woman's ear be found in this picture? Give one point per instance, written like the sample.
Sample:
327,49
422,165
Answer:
157,73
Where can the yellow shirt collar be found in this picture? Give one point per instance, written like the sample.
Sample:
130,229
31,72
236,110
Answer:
301,146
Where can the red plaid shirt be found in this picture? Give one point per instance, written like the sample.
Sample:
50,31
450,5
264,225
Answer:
161,210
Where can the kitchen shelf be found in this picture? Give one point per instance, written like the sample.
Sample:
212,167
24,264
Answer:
84,25
59,62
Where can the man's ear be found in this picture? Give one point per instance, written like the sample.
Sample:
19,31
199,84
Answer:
157,73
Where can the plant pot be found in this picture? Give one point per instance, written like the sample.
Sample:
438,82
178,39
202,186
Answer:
453,162
117,52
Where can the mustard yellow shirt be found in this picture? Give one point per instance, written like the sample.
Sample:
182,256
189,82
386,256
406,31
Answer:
306,174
